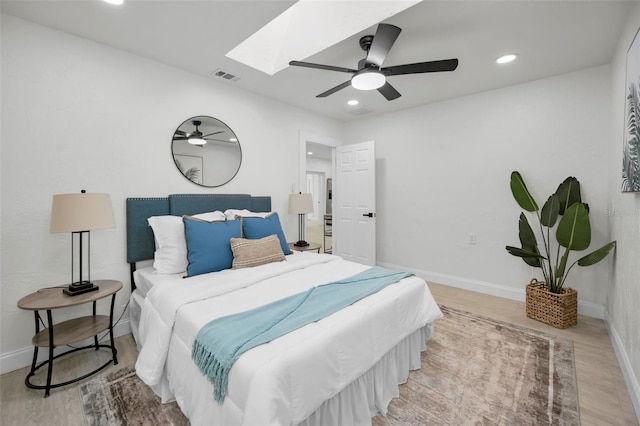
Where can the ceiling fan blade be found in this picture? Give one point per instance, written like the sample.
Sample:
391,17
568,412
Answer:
385,36
180,138
221,140
322,67
421,67
211,134
389,92
181,133
334,90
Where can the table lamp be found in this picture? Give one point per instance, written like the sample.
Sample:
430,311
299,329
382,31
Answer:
300,204
80,213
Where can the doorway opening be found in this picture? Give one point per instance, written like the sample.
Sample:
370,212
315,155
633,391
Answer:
317,168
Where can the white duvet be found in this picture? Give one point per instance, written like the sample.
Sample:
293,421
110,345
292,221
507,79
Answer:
286,380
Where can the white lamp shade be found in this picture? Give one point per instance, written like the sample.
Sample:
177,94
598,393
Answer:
300,203
81,212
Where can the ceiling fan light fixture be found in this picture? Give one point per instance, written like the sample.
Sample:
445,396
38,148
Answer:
196,140
368,80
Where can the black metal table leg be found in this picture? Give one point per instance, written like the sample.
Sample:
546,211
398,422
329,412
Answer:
51,347
95,338
114,351
35,350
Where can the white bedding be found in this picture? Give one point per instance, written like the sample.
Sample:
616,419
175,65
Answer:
286,380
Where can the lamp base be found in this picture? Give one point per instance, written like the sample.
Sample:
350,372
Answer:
80,288
301,243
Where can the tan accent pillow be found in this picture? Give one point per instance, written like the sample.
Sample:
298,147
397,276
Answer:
249,253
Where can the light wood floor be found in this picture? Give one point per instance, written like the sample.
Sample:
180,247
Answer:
604,399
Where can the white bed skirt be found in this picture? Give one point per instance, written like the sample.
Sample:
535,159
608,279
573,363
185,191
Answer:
135,309
354,405
371,393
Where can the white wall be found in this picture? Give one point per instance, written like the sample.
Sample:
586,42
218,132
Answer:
624,221
79,115
443,173
319,165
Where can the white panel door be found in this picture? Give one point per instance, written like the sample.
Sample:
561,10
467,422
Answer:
354,209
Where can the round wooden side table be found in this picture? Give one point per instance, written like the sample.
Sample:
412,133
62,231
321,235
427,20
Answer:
70,331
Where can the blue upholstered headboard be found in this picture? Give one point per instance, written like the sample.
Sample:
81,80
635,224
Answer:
140,244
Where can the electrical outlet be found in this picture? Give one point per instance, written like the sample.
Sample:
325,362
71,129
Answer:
472,239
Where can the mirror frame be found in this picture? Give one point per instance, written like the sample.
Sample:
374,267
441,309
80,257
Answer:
204,119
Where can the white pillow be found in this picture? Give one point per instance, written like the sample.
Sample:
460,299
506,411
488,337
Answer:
170,256
210,216
231,214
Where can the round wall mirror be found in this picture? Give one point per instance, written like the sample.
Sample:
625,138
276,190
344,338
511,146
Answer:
206,151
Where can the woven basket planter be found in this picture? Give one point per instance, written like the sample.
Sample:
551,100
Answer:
557,310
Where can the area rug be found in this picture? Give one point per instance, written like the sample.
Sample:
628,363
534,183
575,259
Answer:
475,371
121,398
478,371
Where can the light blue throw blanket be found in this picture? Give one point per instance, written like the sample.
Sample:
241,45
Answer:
221,342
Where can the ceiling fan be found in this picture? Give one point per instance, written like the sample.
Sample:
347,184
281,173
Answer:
369,74
196,137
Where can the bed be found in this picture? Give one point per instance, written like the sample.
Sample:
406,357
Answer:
341,369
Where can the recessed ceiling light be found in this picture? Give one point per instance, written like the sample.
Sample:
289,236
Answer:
505,59
233,140
310,153
114,1
353,102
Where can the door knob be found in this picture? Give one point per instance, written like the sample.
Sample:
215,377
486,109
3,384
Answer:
368,214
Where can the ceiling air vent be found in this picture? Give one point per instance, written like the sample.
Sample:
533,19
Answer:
225,75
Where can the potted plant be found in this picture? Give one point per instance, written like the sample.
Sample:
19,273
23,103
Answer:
549,301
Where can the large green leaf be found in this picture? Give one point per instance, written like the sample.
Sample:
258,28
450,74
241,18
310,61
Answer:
521,193
550,211
568,192
596,256
528,241
518,252
574,229
559,276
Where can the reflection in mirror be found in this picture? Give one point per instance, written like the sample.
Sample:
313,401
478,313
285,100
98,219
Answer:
206,151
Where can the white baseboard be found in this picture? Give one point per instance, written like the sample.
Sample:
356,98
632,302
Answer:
625,365
21,358
584,308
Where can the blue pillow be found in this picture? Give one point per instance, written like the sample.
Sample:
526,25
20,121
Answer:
209,245
255,228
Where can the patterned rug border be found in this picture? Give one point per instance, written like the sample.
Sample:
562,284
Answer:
509,324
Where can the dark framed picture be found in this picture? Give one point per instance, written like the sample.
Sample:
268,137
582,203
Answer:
631,143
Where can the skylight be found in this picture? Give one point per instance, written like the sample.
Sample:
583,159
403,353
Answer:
308,27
